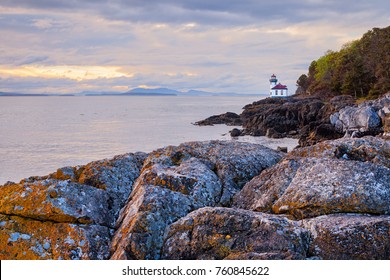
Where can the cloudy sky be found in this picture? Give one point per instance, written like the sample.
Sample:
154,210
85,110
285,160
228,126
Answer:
68,46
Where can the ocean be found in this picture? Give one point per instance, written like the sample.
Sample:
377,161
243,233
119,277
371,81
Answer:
40,134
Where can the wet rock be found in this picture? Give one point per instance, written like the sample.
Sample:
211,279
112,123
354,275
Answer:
177,180
282,149
235,132
311,186
225,233
228,118
349,237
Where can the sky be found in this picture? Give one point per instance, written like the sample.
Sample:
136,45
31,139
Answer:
70,46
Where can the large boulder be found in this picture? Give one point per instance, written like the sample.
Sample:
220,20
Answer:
177,180
368,118
366,149
306,185
349,236
79,204
225,233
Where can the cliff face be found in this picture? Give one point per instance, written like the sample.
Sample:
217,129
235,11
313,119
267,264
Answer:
207,200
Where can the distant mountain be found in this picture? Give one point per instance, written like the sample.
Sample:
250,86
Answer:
167,91
137,92
152,91
21,94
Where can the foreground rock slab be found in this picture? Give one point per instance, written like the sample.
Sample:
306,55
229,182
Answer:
28,239
349,237
225,233
178,180
69,214
324,179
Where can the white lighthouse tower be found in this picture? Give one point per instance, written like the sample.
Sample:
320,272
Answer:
277,90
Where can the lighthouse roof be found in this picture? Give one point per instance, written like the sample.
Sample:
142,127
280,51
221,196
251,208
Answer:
280,86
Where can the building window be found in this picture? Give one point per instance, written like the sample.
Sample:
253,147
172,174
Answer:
276,92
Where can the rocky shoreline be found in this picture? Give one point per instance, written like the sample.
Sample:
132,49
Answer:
311,119
328,199
207,200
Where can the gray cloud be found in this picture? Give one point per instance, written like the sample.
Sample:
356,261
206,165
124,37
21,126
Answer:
31,60
216,12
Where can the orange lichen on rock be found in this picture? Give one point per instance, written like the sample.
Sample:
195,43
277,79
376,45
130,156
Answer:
29,239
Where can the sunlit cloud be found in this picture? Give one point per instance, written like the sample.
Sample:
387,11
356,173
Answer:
78,73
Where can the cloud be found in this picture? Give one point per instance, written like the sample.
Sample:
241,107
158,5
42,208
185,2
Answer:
231,45
32,60
78,73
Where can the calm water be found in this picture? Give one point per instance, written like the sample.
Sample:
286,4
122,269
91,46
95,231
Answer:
40,134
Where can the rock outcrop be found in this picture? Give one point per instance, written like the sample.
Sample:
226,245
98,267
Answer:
228,118
178,180
323,182
339,190
69,214
305,118
207,200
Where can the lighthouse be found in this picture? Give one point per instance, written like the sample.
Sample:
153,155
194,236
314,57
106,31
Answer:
277,90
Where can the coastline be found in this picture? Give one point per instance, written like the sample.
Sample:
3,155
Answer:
140,206
213,200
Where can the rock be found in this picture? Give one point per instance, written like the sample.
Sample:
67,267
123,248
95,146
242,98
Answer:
177,180
371,149
225,233
305,118
311,186
116,176
308,118
365,119
28,239
272,133
349,237
355,118
235,132
282,149
79,204
56,201
386,126
313,134
228,118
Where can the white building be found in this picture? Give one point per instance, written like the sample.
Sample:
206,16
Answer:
277,90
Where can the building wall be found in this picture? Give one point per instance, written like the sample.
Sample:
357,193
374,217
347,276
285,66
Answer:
278,93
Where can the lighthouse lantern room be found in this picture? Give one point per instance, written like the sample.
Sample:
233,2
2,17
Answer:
277,89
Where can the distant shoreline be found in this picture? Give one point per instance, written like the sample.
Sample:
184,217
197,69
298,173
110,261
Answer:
131,94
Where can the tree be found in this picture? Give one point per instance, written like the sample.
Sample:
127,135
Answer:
361,68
